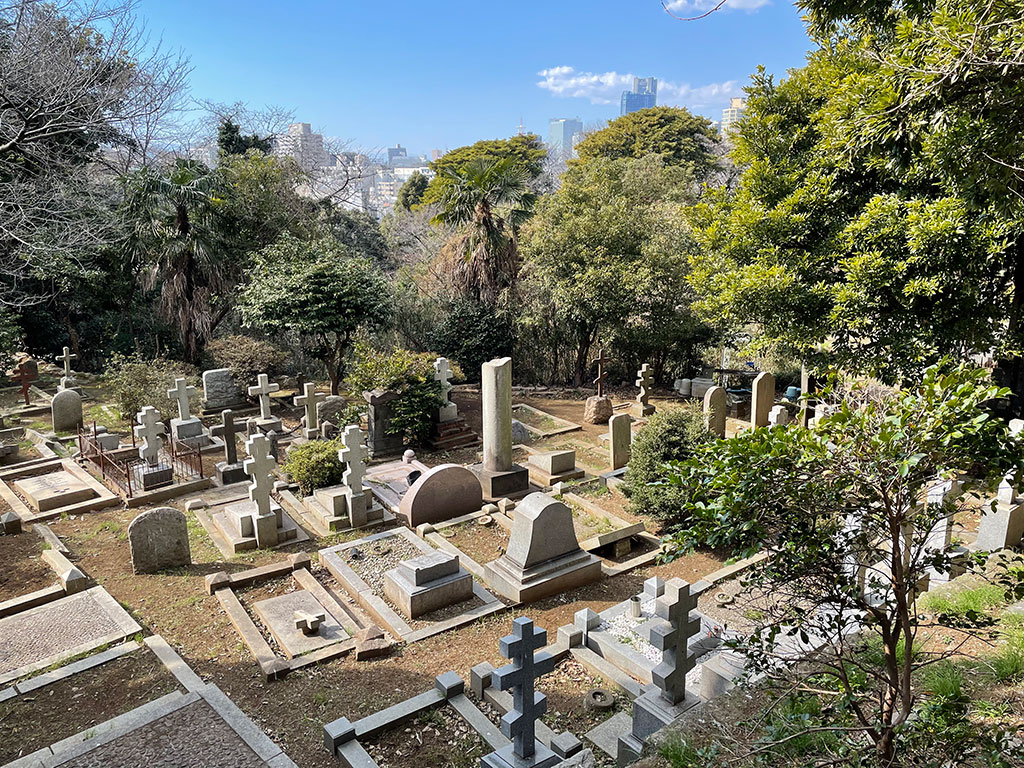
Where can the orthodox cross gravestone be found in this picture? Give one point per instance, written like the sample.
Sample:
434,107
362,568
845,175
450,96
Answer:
266,422
230,470
259,466
499,476
598,408
353,454
602,374
23,377
443,374
519,723
309,400
154,473
68,380
185,426
644,380
672,639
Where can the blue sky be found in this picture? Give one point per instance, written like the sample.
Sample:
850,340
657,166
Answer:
447,73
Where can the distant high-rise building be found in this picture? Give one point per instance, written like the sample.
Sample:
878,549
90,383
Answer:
560,133
302,144
436,154
732,113
395,152
643,96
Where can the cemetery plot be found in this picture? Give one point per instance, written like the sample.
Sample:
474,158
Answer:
367,570
46,490
284,615
540,424
593,458
47,635
438,738
476,539
24,570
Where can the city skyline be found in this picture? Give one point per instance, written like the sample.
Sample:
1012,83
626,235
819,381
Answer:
431,95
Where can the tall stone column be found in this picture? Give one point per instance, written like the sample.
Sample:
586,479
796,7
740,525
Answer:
496,402
499,477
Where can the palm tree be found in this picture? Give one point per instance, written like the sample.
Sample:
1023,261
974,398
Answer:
173,236
487,200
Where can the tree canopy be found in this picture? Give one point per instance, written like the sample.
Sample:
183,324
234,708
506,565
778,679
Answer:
527,150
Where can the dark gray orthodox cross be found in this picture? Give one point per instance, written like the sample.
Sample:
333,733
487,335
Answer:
519,724
672,639
226,430
601,373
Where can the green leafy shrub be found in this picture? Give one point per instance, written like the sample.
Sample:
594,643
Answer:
246,357
408,374
670,435
471,333
315,465
134,382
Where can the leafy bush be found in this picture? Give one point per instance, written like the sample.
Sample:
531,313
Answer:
315,465
135,382
472,333
411,376
670,435
246,357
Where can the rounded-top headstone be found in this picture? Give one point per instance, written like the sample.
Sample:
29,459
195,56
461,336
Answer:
542,530
158,539
66,410
441,493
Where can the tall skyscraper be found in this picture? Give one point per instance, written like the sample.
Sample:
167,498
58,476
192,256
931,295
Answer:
302,144
560,133
732,113
395,152
643,96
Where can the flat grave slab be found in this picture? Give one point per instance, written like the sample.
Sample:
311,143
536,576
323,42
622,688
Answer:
277,613
43,636
41,490
57,489
541,424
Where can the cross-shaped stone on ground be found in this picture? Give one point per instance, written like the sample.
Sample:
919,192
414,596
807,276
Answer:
672,639
262,390
181,392
309,400
258,466
309,623
519,724
150,428
66,358
353,455
24,377
643,380
601,373
227,430
443,374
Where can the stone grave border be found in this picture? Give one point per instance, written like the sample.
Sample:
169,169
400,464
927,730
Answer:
205,517
72,579
222,586
127,627
381,612
195,690
104,496
566,425
342,737
40,443
431,532
140,498
294,507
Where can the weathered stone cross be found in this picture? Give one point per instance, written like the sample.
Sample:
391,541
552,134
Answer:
258,466
443,374
149,430
262,390
24,377
643,380
66,358
227,430
309,623
182,392
601,374
672,639
310,398
353,455
519,723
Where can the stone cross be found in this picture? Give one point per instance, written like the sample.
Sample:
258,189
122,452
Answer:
66,358
601,373
24,377
519,723
309,623
227,430
443,374
182,392
262,390
258,466
353,455
150,428
672,638
643,380
310,398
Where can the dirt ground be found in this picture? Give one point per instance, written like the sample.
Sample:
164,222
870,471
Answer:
23,569
293,710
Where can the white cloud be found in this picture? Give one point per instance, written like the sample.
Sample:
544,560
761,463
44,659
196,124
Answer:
607,88
699,6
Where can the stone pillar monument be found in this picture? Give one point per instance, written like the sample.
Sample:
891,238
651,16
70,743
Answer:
762,399
499,476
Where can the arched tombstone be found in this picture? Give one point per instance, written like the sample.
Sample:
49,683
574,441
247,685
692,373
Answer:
158,539
714,410
441,493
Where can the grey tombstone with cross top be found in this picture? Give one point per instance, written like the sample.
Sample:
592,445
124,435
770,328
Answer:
443,374
353,455
67,381
309,400
186,426
230,470
266,422
265,514
153,472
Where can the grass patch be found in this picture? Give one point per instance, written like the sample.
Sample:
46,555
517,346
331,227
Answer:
963,607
